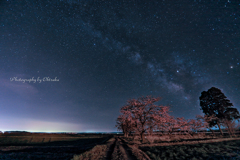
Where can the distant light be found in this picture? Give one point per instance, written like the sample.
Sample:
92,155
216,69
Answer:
177,70
231,66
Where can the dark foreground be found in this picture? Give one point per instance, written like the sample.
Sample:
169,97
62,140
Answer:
106,147
226,150
47,147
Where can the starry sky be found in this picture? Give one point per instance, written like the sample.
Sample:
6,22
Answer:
89,57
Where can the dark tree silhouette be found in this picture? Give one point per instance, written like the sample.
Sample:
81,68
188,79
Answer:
214,103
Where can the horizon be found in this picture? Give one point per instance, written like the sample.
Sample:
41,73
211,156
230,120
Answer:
28,131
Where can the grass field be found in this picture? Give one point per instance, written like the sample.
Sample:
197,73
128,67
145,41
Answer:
47,146
80,146
6,140
204,151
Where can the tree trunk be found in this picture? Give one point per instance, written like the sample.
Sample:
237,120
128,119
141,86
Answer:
229,130
219,128
125,133
151,131
141,135
212,132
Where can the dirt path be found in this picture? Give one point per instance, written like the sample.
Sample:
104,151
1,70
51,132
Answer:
113,149
119,148
120,151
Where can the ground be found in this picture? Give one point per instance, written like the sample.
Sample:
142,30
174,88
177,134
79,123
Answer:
114,147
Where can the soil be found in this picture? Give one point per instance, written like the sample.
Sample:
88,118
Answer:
190,142
61,150
120,149
117,148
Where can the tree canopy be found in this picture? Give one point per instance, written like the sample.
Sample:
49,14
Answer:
215,104
142,115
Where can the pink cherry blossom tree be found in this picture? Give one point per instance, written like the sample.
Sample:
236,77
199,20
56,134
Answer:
143,115
124,124
206,120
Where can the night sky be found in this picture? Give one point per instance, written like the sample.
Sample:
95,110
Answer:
101,53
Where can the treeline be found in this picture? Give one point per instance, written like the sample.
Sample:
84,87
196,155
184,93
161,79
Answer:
142,115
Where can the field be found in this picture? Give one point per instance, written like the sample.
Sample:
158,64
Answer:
115,147
166,148
201,151
47,146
